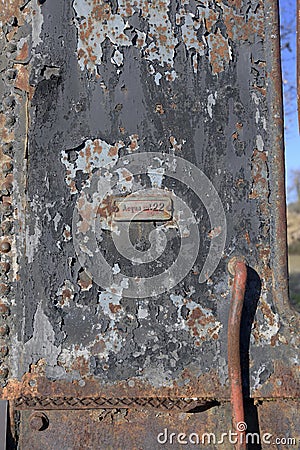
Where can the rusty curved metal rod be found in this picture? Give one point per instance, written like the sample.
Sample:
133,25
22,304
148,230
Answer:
238,268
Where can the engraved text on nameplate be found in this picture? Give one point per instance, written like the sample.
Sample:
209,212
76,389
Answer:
142,209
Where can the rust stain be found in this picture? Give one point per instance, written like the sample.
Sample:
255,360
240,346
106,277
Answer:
114,308
198,321
240,28
98,347
247,237
106,208
134,142
159,109
23,54
35,384
22,80
11,9
98,147
211,19
219,54
6,135
113,151
260,175
84,281
284,382
81,364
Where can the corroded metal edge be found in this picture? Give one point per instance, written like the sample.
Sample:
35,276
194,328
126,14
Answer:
148,429
9,123
17,93
162,403
282,383
277,166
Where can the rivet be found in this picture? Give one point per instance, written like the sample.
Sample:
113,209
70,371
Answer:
7,167
3,350
38,421
4,329
7,148
6,227
13,21
4,267
6,187
5,247
9,102
4,309
10,121
6,208
11,74
4,289
3,372
11,47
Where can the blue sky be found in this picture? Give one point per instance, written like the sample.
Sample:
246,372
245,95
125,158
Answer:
292,138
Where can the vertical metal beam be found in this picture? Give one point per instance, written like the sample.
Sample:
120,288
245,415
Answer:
277,163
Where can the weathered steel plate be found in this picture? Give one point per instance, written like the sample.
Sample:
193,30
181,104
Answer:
147,429
105,99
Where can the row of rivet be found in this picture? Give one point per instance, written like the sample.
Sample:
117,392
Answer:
6,227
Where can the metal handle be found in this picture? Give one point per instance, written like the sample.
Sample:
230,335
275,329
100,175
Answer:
238,268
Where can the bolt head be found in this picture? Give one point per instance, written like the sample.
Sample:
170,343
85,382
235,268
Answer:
6,187
7,148
4,329
9,102
7,167
4,267
5,247
10,121
3,372
3,350
6,226
38,421
4,289
4,309
6,208
11,47
11,74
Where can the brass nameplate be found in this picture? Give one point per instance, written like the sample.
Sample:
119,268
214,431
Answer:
142,209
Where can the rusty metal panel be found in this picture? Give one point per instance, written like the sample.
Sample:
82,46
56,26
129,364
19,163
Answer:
127,429
104,99
122,429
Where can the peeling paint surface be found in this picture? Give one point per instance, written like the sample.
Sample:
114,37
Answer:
91,84
196,25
